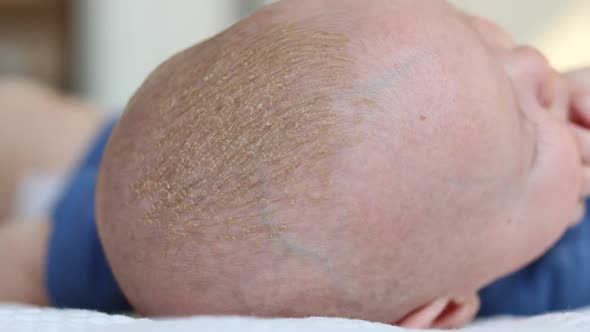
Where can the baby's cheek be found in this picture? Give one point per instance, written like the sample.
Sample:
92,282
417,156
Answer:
550,203
570,175
560,178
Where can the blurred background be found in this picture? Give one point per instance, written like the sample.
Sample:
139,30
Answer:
103,49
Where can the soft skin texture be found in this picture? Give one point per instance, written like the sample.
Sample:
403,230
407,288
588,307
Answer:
379,160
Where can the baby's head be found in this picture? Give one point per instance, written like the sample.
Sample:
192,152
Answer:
375,159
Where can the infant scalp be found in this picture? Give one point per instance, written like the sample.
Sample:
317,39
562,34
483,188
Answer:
215,148
222,143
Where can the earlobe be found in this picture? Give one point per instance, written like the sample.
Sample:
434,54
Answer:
443,313
458,313
425,316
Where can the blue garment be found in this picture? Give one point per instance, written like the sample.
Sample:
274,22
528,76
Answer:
78,275
560,280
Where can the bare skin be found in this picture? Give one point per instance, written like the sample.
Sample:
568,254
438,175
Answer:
40,131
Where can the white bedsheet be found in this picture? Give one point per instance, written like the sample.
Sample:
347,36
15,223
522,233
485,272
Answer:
23,319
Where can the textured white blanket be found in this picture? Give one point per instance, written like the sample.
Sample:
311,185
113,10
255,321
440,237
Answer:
21,319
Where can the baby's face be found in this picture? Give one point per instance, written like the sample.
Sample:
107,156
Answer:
485,161
535,102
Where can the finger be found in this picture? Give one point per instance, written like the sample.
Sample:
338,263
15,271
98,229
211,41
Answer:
582,136
580,108
580,98
562,95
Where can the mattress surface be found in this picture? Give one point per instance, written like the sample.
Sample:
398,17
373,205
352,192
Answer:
25,319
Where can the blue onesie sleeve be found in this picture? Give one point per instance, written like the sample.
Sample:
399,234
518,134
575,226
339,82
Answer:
78,274
560,280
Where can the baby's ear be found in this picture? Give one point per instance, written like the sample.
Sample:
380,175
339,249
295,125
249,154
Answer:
443,313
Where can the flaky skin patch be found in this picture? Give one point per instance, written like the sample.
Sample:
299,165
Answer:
216,135
219,155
